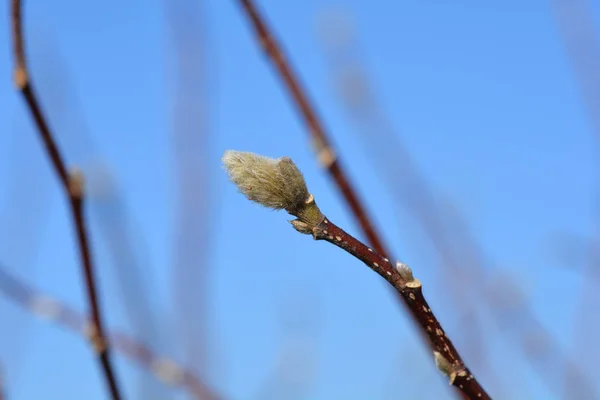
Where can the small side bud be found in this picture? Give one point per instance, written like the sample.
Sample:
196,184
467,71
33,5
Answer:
404,271
76,182
444,366
301,227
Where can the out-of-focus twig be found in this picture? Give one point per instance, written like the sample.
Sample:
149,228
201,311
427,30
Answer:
122,238
193,204
46,307
74,188
105,200
295,370
464,260
575,20
409,188
542,351
23,217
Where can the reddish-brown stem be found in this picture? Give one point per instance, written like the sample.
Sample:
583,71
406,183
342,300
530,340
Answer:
320,139
73,187
410,290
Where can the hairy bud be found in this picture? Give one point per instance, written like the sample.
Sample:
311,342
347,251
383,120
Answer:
273,183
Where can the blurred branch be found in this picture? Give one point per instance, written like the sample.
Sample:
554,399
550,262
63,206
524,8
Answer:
131,276
408,186
46,307
23,217
193,215
295,373
542,351
73,187
464,259
105,199
575,20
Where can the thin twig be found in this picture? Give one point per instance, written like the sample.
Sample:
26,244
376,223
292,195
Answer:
325,153
72,184
575,21
447,357
46,307
279,184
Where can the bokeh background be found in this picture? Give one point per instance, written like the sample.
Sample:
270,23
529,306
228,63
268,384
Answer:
470,131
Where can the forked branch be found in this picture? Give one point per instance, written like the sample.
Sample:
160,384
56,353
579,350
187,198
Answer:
73,187
278,184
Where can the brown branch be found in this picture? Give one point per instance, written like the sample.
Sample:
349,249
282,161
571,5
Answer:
52,309
73,187
279,184
447,357
325,153
320,139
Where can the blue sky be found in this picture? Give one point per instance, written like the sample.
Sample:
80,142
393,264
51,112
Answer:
483,97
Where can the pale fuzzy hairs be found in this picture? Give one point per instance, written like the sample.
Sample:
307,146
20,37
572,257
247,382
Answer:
274,183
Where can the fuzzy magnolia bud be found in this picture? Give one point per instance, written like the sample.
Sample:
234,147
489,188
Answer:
444,366
273,183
